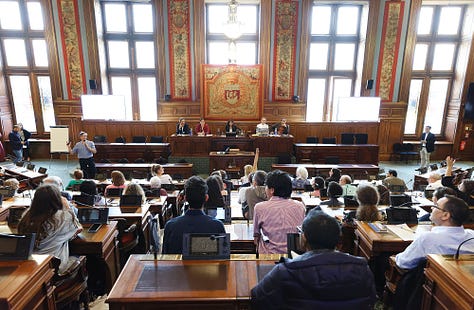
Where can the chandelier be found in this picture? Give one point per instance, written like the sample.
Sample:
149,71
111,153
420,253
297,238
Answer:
232,26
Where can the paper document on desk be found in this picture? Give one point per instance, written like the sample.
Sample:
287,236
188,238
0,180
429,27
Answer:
402,231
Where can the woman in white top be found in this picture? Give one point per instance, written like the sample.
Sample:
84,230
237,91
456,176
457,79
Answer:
159,171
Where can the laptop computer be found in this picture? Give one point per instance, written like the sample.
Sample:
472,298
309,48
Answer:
130,203
262,131
350,202
168,187
6,192
231,134
93,215
153,193
83,200
398,200
114,192
223,214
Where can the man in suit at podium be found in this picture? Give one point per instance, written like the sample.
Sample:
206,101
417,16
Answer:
193,221
427,147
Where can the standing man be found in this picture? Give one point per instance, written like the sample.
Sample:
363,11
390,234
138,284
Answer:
24,136
427,146
85,151
16,143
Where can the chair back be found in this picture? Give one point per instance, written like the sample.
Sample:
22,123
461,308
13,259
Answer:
153,236
312,140
120,140
347,138
156,139
329,140
71,285
361,138
100,139
138,139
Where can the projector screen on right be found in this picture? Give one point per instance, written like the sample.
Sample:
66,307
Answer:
357,109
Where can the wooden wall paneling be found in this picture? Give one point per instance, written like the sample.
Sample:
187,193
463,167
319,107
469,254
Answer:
92,27
370,44
392,122
50,34
161,51
174,110
302,88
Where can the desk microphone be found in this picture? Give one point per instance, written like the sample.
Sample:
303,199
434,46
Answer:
214,237
456,256
406,204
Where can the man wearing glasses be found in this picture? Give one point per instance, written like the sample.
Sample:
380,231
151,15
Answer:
444,238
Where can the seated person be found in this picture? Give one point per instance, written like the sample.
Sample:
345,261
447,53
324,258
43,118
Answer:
155,183
159,171
262,128
53,223
439,193
118,181
334,192
347,188
231,127
321,278
182,128
368,198
88,187
78,178
134,189
14,184
245,179
384,195
215,189
193,221
334,175
281,128
301,178
256,193
434,180
202,129
56,181
444,238
318,185
275,218
464,188
393,179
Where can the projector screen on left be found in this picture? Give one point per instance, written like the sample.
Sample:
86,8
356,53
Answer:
108,107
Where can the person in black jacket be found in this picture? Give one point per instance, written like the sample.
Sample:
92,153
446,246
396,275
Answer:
182,128
16,143
427,146
321,278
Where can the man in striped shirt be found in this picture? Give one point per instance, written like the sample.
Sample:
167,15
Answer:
280,215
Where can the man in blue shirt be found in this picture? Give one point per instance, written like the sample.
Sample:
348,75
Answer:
85,151
193,221
16,143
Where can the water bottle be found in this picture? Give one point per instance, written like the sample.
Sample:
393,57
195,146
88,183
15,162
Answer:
191,132
276,132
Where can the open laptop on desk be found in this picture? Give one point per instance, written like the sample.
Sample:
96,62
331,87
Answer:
83,200
114,192
130,203
94,217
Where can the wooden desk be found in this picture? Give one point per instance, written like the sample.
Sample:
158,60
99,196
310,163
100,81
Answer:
12,202
184,169
449,284
358,171
231,160
347,153
27,284
24,175
200,146
176,284
103,245
132,151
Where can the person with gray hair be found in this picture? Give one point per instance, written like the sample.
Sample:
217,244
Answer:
347,188
301,178
155,184
58,183
256,193
434,180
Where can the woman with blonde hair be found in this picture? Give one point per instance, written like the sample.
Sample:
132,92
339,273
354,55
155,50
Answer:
248,169
158,171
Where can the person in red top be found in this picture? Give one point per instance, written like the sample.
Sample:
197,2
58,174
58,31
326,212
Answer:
202,128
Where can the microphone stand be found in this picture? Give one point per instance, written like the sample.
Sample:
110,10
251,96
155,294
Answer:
456,256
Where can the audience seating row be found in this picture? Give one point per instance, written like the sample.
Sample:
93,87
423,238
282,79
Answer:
135,139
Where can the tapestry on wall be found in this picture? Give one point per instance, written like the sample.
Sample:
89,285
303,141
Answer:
179,48
72,48
232,92
284,47
389,49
